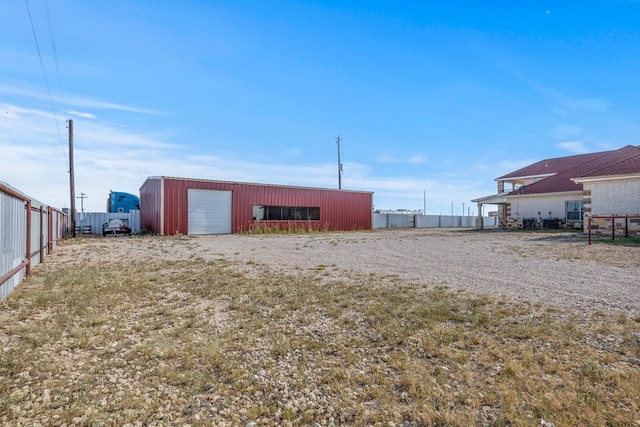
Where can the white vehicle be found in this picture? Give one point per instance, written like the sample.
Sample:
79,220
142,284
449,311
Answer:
116,226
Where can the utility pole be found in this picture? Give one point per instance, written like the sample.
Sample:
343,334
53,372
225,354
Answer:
339,165
424,211
82,196
72,180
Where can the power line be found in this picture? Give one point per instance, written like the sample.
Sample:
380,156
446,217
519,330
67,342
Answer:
44,73
55,53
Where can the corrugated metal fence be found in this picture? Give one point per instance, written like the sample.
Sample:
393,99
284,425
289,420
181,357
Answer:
29,230
91,222
388,220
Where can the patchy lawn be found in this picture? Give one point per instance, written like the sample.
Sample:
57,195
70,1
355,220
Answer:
213,341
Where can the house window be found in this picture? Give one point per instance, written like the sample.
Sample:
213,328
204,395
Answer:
285,213
574,210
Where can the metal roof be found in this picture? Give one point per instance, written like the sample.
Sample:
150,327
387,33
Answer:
250,183
627,166
622,161
551,166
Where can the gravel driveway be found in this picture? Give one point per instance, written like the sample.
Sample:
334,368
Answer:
183,347
550,268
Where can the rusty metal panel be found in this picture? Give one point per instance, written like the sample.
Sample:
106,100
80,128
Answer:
339,209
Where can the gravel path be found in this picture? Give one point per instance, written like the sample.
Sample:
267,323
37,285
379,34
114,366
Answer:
555,269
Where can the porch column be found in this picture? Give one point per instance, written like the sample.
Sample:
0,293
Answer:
479,218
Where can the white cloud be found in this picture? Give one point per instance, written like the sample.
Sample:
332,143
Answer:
112,157
290,153
563,131
416,159
83,115
566,103
513,165
576,147
596,105
386,159
77,101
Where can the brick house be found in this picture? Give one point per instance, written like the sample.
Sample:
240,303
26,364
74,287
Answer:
563,191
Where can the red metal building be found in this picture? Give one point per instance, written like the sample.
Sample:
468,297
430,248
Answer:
170,205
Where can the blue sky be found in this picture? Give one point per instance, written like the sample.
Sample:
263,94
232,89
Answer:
428,97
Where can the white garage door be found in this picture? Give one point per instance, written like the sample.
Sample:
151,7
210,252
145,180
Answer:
209,211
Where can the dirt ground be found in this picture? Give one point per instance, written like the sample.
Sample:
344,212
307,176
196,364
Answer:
558,269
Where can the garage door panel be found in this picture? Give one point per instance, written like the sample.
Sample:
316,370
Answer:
209,211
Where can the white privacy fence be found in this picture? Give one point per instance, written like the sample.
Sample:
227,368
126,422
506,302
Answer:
389,220
29,230
91,222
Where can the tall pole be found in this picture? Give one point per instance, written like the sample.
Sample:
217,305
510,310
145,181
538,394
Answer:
82,196
424,211
339,165
72,180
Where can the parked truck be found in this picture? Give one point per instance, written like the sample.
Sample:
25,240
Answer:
121,202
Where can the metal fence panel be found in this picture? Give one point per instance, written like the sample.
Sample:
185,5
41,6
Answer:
400,221
24,223
39,232
91,222
430,221
57,228
387,220
379,221
13,245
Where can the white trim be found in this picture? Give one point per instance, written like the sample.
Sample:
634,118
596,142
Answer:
605,178
521,178
559,193
149,178
495,199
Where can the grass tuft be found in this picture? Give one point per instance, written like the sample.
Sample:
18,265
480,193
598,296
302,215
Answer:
205,340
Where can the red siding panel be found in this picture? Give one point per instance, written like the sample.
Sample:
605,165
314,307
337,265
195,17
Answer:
339,209
150,204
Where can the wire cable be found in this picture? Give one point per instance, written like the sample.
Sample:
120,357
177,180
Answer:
44,73
55,53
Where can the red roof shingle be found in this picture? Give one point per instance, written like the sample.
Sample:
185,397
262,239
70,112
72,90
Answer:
625,160
552,166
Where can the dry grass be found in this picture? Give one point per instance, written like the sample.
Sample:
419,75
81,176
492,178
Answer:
212,342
